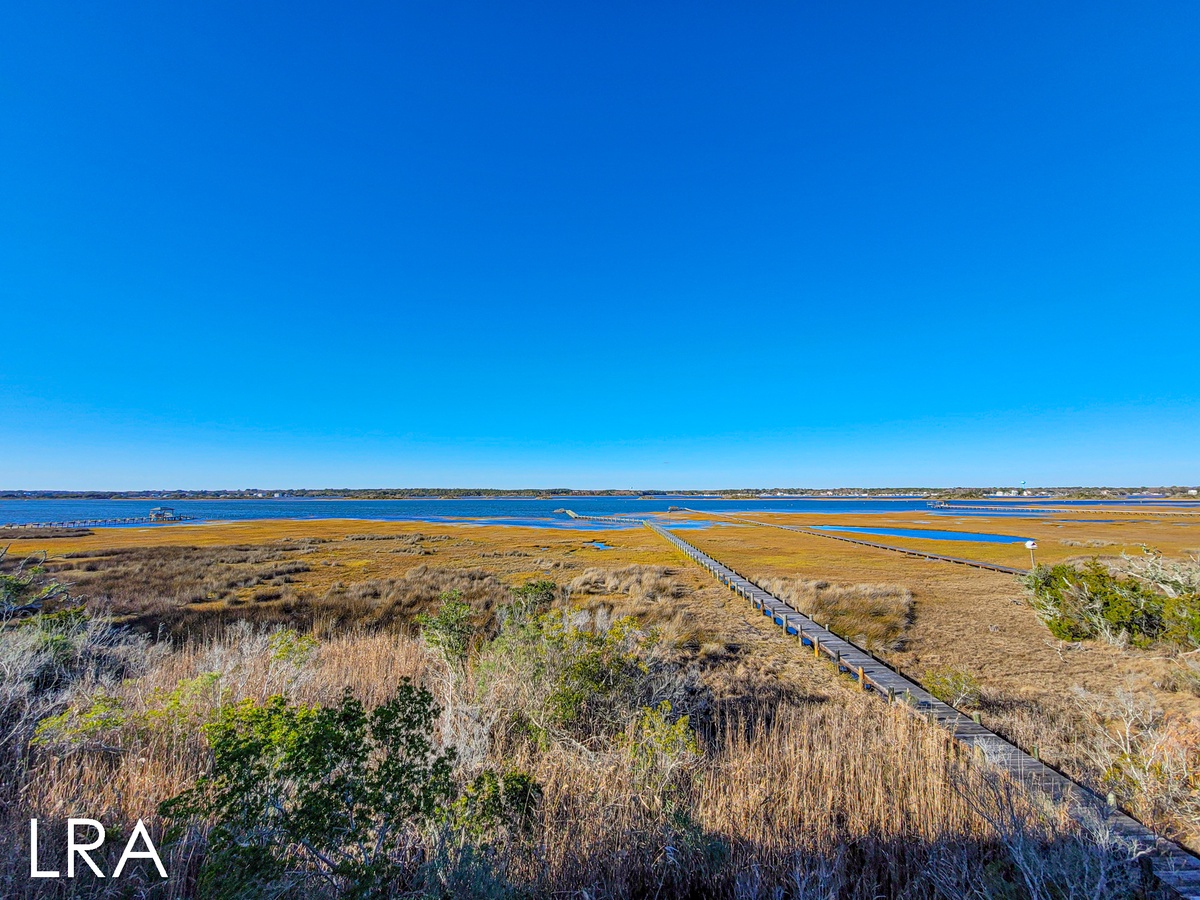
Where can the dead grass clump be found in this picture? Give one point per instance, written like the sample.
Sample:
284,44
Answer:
648,583
410,544
152,585
550,565
396,602
787,798
874,616
414,538
1067,542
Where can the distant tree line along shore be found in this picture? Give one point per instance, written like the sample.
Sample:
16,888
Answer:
962,493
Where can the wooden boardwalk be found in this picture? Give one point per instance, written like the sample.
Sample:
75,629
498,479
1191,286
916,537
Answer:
958,560
88,523
628,522
1103,510
1176,868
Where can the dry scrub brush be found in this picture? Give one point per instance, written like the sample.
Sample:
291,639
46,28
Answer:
639,582
395,603
1119,743
153,587
646,788
874,616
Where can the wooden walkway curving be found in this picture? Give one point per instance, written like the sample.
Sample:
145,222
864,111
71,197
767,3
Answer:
1176,868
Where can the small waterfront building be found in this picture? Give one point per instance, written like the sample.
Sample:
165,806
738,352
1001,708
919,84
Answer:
162,514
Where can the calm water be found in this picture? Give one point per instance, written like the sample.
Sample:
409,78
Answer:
506,511
929,534
509,511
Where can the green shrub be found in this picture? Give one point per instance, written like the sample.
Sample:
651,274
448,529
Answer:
288,646
496,802
656,738
597,667
1092,602
1181,620
451,631
559,680
532,598
301,796
24,586
104,724
96,726
662,748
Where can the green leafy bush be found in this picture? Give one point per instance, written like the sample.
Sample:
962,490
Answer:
289,647
532,598
496,802
104,724
1093,602
451,631
96,726
302,796
347,801
557,679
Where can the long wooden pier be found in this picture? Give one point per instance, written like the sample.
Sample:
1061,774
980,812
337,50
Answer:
1103,510
1175,867
88,523
628,522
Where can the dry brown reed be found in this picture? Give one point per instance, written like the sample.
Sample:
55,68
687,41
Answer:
874,616
395,602
849,799
182,588
639,582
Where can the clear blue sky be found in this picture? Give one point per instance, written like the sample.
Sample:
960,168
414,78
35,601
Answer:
599,245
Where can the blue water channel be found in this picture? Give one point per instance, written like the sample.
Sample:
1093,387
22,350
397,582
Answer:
529,512
928,534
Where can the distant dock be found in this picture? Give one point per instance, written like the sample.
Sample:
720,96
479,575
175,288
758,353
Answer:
97,523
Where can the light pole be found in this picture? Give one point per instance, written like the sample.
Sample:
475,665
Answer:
1032,545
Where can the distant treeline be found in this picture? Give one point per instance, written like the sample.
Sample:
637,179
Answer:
957,493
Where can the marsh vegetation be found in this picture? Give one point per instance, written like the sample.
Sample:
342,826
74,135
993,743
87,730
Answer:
1140,601
555,740
874,616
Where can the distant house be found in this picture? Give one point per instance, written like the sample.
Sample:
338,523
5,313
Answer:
162,514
